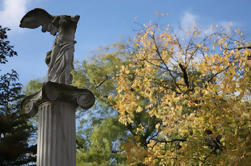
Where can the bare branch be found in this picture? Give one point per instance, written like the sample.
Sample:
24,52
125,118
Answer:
185,76
213,76
99,84
159,55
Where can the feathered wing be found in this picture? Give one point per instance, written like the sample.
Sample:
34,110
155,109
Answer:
39,17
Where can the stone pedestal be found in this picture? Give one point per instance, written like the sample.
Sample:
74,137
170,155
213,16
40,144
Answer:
55,105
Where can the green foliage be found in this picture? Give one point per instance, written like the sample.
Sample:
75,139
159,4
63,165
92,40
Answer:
97,73
180,101
32,87
105,145
97,132
5,49
15,129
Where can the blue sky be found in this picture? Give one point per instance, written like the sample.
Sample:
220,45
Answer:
103,22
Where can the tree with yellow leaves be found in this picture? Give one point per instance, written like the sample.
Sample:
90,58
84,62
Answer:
168,99
195,89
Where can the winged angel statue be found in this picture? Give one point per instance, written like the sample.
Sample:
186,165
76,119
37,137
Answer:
60,58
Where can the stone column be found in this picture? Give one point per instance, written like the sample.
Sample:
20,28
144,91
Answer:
55,105
56,134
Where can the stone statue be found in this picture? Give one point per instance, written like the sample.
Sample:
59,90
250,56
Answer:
56,102
60,58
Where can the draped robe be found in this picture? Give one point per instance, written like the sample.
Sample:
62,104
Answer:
60,61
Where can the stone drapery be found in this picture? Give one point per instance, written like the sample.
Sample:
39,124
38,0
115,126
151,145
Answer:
61,61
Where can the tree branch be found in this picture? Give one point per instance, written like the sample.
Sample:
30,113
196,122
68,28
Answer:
217,74
106,78
185,76
159,55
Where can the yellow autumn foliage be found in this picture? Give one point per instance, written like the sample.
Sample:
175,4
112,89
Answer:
199,89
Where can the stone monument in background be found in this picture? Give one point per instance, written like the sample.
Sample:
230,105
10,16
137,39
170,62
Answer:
56,102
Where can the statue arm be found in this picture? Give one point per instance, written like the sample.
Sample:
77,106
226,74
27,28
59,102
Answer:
48,57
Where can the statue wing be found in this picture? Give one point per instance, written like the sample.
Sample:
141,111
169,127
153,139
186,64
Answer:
39,17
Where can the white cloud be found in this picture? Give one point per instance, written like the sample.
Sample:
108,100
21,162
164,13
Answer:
188,22
12,12
227,25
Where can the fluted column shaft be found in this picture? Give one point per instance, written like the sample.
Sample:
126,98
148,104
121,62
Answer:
55,105
56,134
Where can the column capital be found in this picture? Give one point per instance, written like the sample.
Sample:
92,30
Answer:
52,91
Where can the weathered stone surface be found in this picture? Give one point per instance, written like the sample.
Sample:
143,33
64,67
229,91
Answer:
56,134
56,102
51,91
60,58
55,105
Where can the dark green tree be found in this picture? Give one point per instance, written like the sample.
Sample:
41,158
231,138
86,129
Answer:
15,128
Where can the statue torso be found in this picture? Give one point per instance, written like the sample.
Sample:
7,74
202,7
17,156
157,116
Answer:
67,28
